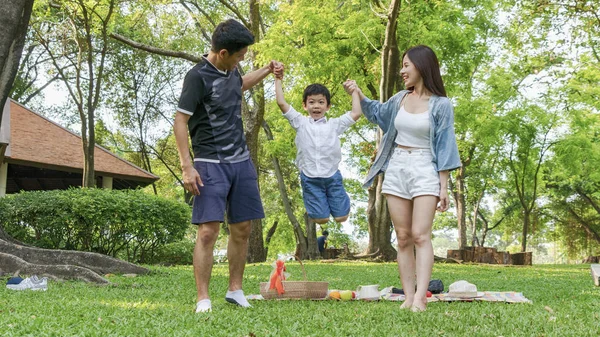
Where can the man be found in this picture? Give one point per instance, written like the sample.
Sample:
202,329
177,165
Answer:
222,176
322,241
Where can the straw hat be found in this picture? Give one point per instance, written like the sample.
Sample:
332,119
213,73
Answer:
463,289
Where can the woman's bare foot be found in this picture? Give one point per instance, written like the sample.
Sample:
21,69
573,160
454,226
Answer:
417,308
419,305
407,304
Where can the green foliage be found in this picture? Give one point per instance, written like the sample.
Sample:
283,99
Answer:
509,68
126,224
564,304
175,253
573,185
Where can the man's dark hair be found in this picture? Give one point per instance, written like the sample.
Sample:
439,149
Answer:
316,89
428,66
325,233
231,36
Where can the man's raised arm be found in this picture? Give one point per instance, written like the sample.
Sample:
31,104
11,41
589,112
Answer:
251,79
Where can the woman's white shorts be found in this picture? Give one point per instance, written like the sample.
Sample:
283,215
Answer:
411,174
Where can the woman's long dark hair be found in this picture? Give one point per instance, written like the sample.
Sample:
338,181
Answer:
428,66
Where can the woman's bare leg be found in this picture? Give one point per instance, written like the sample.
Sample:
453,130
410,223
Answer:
401,211
422,222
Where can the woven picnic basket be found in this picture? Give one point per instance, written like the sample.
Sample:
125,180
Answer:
296,289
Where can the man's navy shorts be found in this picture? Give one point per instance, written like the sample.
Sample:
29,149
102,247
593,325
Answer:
231,188
325,196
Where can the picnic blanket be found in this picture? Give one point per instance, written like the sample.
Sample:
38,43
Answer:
485,296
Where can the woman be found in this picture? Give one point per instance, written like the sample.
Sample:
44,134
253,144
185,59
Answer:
417,152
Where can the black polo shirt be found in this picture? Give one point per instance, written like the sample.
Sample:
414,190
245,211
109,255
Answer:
213,99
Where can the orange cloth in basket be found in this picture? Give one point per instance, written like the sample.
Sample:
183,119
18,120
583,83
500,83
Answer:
277,277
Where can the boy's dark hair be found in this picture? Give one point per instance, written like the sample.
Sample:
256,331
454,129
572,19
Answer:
428,66
325,233
231,36
316,89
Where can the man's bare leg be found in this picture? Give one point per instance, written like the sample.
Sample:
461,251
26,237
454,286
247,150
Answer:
237,250
203,261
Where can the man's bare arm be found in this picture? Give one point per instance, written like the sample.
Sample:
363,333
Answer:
191,177
253,78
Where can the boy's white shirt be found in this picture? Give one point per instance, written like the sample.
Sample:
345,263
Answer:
318,144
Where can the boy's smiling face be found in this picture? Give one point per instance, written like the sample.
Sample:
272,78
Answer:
316,106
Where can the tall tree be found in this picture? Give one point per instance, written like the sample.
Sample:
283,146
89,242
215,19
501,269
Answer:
304,249
304,38
15,257
461,44
380,223
253,121
15,21
76,33
30,81
139,89
253,105
529,139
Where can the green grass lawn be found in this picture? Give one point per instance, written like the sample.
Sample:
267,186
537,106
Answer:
565,303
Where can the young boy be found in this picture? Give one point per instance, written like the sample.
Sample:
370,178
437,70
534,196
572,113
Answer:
319,151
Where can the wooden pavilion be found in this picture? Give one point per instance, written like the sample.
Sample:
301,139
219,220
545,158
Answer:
38,154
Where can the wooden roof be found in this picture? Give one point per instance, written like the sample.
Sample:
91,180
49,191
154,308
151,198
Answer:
38,142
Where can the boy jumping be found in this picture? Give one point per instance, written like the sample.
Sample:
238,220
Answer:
319,151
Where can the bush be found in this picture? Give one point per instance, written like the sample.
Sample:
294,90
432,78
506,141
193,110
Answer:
175,253
127,224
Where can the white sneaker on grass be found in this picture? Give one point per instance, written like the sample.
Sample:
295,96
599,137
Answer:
203,306
237,297
33,283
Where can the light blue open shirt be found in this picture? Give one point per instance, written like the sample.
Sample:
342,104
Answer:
441,132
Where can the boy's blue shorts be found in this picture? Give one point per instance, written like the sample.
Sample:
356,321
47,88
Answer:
231,188
325,196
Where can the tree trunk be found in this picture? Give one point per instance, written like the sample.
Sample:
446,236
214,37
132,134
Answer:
256,246
526,221
88,179
90,176
302,244
14,22
377,213
461,207
61,264
312,249
474,228
592,233
390,55
379,223
269,236
253,121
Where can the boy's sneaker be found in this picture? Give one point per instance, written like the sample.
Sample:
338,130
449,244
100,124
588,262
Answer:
33,283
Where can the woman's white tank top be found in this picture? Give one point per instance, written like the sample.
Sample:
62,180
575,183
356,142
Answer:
413,129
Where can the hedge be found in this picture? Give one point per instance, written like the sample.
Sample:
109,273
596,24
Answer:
127,224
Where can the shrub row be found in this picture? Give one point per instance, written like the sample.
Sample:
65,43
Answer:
127,224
